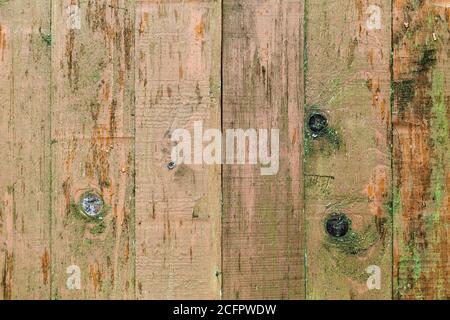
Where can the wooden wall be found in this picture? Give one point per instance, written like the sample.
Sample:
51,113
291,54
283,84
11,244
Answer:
92,91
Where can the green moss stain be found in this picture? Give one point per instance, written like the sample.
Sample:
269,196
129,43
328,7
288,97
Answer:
96,76
307,145
327,143
396,202
346,251
333,138
427,60
410,264
98,229
351,54
417,264
10,189
354,243
96,225
440,138
305,42
404,92
47,38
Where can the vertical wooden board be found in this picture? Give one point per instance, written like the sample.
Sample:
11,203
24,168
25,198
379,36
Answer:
93,148
347,164
263,89
421,85
178,211
24,145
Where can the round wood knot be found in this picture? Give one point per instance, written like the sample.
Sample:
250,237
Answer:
171,165
337,225
317,124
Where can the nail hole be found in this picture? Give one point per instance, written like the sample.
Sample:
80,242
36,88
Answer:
171,165
317,123
92,204
337,225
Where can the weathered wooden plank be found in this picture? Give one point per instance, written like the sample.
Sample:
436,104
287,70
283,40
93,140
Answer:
347,163
177,207
421,149
24,145
92,148
263,89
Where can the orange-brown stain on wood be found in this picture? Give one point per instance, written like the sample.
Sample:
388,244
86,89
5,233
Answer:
7,276
199,29
97,165
96,17
179,63
95,142
447,13
370,57
45,265
128,44
93,154
66,188
360,9
181,72
378,100
143,23
72,66
294,136
24,130
377,191
9,223
2,43
421,222
348,80
95,274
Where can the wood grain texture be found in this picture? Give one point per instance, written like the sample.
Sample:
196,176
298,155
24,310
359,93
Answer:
92,146
347,168
24,145
421,82
178,211
263,89
71,124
